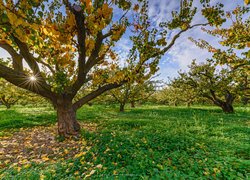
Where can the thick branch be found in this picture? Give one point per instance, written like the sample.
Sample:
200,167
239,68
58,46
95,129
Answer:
21,80
95,93
215,99
48,66
93,59
81,37
208,97
229,97
29,58
16,58
116,98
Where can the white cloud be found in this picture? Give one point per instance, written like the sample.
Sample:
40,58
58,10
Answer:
3,54
160,10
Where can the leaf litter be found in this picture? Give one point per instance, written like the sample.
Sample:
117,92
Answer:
39,145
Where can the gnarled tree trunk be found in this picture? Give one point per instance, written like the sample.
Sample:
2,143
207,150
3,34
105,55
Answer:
227,108
122,105
245,100
227,105
7,102
132,103
66,118
7,105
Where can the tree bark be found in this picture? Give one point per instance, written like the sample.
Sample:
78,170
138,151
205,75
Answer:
122,107
188,104
7,105
66,118
132,104
245,100
5,102
227,108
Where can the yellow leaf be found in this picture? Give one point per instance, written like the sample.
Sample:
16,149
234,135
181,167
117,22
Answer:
45,158
80,154
7,161
71,20
136,7
66,151
90,174
248,44
99,166
42,177
12,18
45,31
27,166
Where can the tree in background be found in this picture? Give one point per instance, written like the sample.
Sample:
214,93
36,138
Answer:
236,42
31,99
243,79
67,45
9,94
208,81
172,94
133,92
185,94
168,95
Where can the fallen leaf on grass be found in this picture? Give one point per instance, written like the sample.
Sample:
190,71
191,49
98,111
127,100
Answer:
90,174
39,145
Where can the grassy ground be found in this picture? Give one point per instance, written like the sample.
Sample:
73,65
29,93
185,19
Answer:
147,142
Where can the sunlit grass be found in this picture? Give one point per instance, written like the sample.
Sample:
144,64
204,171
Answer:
148,142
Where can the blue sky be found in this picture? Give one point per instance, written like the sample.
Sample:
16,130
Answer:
184,51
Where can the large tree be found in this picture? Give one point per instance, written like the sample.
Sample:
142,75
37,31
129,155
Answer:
57,47
235,40
215,83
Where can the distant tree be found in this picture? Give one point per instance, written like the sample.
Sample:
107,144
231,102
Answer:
174,95
32,99
9,94
183,93
168,95
209,82
133,92
244,86
236,42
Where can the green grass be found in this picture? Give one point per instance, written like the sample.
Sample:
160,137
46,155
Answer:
149,142
18,117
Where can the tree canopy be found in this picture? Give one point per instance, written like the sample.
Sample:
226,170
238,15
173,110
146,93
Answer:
217,84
